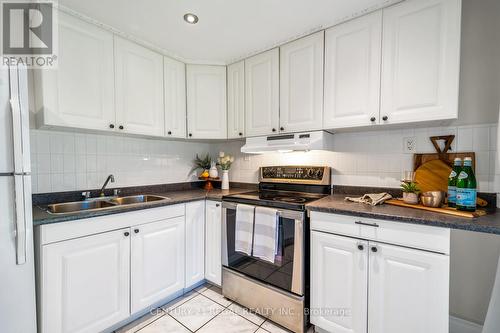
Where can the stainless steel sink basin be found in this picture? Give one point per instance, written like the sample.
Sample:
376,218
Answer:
100,204
74,207
137,199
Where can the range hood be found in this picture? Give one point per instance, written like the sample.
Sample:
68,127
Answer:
305,141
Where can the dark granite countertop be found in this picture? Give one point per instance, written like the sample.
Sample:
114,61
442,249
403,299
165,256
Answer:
337,205
41,216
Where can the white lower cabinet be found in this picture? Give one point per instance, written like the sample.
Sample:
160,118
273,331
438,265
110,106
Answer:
213,233
157,262
362,285
195,243
408,290
85,283
339,283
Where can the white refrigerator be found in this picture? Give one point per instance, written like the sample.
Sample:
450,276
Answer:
17,268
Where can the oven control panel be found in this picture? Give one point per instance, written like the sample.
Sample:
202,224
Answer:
296,174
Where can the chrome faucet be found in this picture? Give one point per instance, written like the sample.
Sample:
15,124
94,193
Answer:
110,178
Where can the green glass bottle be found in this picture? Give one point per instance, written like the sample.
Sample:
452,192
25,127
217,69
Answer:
466,187
452,182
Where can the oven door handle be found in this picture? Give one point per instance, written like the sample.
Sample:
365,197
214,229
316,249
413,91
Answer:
298,273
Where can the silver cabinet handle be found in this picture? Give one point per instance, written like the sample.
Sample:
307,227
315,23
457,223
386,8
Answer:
375,225
21,237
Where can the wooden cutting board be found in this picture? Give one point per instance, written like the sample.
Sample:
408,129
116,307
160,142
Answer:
432,170
433,176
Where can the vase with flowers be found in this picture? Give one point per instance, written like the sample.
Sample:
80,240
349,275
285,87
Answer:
225,161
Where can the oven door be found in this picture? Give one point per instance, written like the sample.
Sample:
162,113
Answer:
288,270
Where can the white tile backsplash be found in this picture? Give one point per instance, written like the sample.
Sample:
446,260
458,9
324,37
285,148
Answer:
64,161
377,158
71,161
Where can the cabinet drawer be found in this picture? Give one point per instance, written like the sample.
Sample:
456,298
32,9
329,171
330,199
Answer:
405,234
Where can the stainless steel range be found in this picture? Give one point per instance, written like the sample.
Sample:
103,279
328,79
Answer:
277,289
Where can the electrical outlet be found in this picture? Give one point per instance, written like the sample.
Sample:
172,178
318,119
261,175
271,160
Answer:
410,145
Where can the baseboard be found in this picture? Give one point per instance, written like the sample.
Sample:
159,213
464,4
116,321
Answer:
458,325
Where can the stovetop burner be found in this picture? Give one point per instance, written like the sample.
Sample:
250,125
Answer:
290,199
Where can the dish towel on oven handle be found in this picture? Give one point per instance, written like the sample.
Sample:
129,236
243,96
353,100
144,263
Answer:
265,243
245,215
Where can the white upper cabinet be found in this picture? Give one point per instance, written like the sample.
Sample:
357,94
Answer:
139,89
352,72
195,243
157,262
409,290
85,283
301,84
236,100
420,69
80,92
206,102
262,93
175,98
339,280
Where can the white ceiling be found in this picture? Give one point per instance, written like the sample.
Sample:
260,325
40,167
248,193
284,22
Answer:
227,30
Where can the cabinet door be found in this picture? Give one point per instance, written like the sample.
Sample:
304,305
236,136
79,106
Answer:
195,243
175,98
139,89
80,93
339,281
352,72
262,93
213,239
420,69
301,84
157,262
408,290
85,283
206,102
236,100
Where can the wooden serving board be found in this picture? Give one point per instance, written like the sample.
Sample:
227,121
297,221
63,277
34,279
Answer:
433,176
442,210
432,170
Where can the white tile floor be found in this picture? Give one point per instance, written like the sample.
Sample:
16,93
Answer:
203,310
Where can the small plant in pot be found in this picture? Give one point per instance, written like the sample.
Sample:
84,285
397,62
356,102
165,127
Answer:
410,192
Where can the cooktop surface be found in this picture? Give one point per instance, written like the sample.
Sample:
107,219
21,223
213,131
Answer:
277,199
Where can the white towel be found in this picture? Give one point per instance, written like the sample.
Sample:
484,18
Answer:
244,228
265,242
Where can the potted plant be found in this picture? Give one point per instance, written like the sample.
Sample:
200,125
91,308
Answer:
225,162
410,192
203,164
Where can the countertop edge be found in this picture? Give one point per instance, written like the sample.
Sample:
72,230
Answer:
459,225
47,218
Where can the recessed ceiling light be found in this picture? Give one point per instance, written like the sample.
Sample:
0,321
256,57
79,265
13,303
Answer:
190,18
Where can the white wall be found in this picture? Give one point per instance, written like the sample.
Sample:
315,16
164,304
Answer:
69,161
480,62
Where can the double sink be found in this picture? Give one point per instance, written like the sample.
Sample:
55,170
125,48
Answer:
102,203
